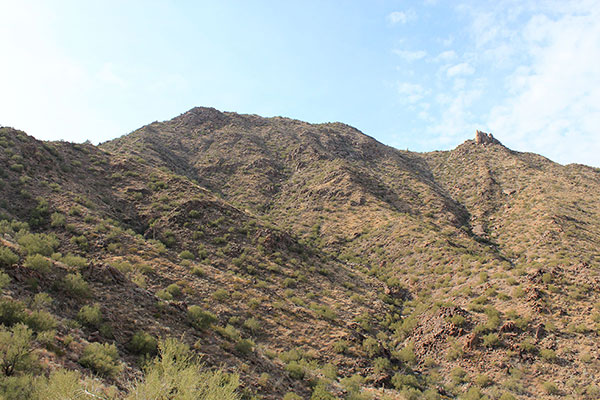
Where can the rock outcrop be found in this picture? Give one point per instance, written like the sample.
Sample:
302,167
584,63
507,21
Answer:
485,138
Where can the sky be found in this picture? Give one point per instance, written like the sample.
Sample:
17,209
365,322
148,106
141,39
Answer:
418,75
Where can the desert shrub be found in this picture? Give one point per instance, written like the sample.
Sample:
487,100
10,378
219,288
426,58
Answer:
548,355
63,384
482,380
457,320
11,312
81,242
381,365
176,370
164,294
90,316
38,263
75,285
340,346
169,239
291,396
187,255
41,320
143,343
38,243
491,340
550,388
252,324
102,359
58,220
371,346
74,261
7,257
458,375
198,271
40,214
4,280
15,350
295,370
244,346
174,289
407,354
320,393
199,318
220,295
402,381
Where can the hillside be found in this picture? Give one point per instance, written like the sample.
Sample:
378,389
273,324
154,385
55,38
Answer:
304,258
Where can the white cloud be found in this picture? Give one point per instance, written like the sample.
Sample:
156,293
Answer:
411,92
446,56
401,17
460,69
554,107
411,55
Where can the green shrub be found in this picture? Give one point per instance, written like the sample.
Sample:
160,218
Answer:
143,343
402,381
102,359
164,294
39,263
550,388
199,318
74,261
220,295
491,340
244,346
295,370
81,241
187,255
253,325
41,321
7,257
548,355
371,346
15,350
57,220
38,243
11,312
483,380
291,396
75,285
4,280
176,371
90,316
174,289
341,346
381,365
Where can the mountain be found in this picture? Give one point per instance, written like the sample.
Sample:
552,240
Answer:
304,258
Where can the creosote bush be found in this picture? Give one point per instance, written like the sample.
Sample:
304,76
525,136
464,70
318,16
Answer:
143,343
75,285
38,263
7,257
102,359
90,316
199,318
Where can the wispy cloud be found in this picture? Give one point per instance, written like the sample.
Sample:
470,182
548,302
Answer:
411,92
401,17
460,69
554,107
411,55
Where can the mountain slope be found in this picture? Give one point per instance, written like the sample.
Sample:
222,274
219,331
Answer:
330,261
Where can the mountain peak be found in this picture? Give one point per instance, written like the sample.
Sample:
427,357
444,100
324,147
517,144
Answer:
485,138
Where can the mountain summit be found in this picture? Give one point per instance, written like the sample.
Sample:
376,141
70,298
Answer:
305,260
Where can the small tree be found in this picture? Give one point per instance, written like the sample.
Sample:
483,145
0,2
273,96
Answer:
15,350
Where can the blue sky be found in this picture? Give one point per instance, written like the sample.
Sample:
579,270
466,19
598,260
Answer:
421,75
